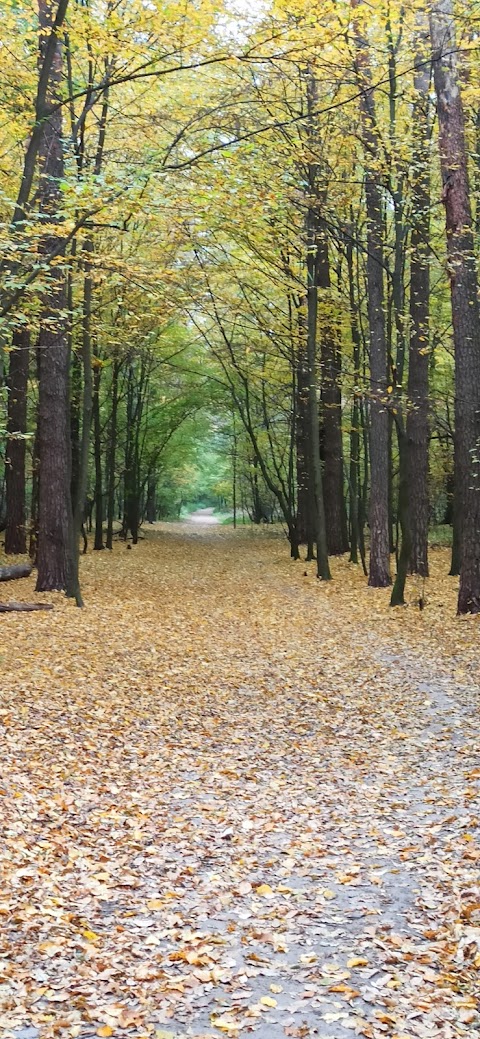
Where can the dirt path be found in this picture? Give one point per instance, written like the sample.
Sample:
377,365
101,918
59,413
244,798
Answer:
202,516
239,801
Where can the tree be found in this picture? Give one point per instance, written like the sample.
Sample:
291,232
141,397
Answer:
379,574
464,296
417,431
56,558
15,532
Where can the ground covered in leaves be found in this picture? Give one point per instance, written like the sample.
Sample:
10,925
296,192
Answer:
238,801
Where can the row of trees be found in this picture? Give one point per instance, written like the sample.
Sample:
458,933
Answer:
263,221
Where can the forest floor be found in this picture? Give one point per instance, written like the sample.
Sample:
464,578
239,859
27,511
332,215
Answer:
236,800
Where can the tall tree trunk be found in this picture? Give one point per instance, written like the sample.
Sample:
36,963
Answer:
112,450
33,532
356,524
75,388
97,451
17,384
56,557
313,264
331,415
129,476
80,499
379,573
323,569
464,294
398,590
418,360
301,426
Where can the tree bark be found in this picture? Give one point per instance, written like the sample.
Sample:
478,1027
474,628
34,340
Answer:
356,527
50,26
150,508
55,559
464,296
417,431
75,389
320,533
17,384
13,573
379,572
301,427
398,591
97,450
331,444
112,449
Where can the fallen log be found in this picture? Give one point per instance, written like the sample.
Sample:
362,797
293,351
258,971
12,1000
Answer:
24,607
14,572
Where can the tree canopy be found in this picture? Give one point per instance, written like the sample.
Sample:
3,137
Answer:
242,238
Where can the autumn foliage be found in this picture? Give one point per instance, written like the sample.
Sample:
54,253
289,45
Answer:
237,801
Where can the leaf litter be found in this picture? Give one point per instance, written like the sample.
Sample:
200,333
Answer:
237,801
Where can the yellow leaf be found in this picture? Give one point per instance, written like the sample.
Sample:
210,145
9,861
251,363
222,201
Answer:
50,948
265,890
225,1023
327,893
276,988
105,1031
91,936
357,961
155,903
268,1001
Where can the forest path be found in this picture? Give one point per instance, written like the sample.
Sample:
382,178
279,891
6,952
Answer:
203,516
237,800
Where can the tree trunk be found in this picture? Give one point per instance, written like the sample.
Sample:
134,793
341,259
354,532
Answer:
150,508
17,383
112,449
323,569
301,427
398,591
417,417
33,533
55,558
464,294
379,573
356,535
98,542
83,442
331,416
50,23
75,390
13,573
